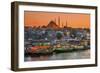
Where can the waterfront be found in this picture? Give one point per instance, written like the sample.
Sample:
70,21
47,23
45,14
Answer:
83,54
55,40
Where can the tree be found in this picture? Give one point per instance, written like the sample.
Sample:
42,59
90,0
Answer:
59,35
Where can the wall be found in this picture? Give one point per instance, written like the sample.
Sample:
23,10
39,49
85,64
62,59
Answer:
5,40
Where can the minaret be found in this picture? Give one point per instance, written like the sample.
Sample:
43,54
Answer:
59,21
62,25
66,23
55,20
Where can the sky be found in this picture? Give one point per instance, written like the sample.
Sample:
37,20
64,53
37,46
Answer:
74,20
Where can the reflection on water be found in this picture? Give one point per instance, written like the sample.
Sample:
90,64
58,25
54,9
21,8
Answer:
61,56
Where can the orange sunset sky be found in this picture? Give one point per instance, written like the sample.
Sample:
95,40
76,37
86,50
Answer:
74,20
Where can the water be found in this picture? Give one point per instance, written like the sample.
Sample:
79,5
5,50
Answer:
84,54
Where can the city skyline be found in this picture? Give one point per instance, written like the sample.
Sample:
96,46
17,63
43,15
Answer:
61,19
